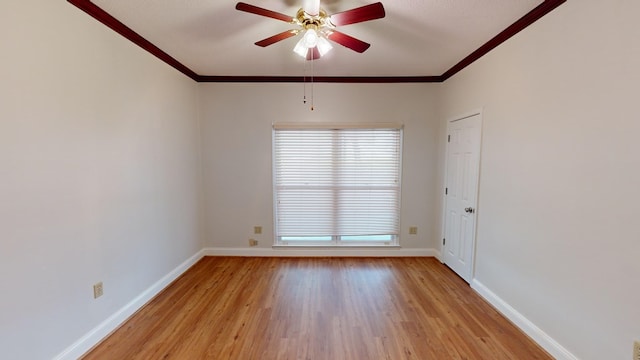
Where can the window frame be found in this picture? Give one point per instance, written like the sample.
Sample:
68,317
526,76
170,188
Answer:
324,241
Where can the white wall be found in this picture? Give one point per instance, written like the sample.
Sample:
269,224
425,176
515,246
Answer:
99,174
557,237
99,169
237,121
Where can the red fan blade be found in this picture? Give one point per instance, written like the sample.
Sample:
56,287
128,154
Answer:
278,37
313,54
263,12
364,13
348,41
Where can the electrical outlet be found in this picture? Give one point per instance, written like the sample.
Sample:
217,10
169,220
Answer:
253,242
97,290
413,230
257,229
636,350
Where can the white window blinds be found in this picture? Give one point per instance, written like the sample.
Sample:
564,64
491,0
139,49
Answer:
337,182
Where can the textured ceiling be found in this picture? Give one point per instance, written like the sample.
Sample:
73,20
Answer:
416,38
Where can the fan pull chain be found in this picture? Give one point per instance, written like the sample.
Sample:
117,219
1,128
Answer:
312,80
304,82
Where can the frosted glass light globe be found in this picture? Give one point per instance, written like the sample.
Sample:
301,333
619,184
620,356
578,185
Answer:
310,38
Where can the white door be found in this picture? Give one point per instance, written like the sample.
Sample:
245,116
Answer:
461,194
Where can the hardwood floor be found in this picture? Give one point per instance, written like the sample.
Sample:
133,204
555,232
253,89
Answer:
318,308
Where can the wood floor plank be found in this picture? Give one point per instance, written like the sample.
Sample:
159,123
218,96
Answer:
317,309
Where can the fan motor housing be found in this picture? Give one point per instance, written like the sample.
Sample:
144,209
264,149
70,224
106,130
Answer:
312,22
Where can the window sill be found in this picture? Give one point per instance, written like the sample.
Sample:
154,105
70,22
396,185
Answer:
324,247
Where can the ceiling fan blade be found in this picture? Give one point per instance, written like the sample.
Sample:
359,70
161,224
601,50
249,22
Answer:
348,41
361,14
311,7
278,37
263,12
313,53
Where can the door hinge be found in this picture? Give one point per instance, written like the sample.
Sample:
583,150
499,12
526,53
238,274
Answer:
448,138
444,241
446,191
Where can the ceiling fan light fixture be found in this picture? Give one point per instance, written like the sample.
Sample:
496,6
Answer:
310,40
324,46
317,27
300,49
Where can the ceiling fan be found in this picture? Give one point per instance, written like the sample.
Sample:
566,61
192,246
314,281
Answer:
317,27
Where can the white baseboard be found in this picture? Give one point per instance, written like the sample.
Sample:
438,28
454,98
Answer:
322,252
543,339
93,337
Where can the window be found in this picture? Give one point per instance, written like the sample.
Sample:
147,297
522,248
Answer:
337,186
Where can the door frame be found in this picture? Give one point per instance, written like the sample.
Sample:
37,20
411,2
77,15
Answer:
477,195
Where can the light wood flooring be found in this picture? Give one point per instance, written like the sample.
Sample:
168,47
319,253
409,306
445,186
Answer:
318,309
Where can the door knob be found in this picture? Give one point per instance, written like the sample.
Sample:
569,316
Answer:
469,210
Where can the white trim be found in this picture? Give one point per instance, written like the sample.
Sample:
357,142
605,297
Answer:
322,252
543,339
314,167
464,116
334,126
97,334
93,337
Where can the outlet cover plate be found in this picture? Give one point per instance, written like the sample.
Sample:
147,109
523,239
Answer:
98,290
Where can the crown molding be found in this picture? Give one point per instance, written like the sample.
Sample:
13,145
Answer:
522,23
105,18
322,79
122,29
